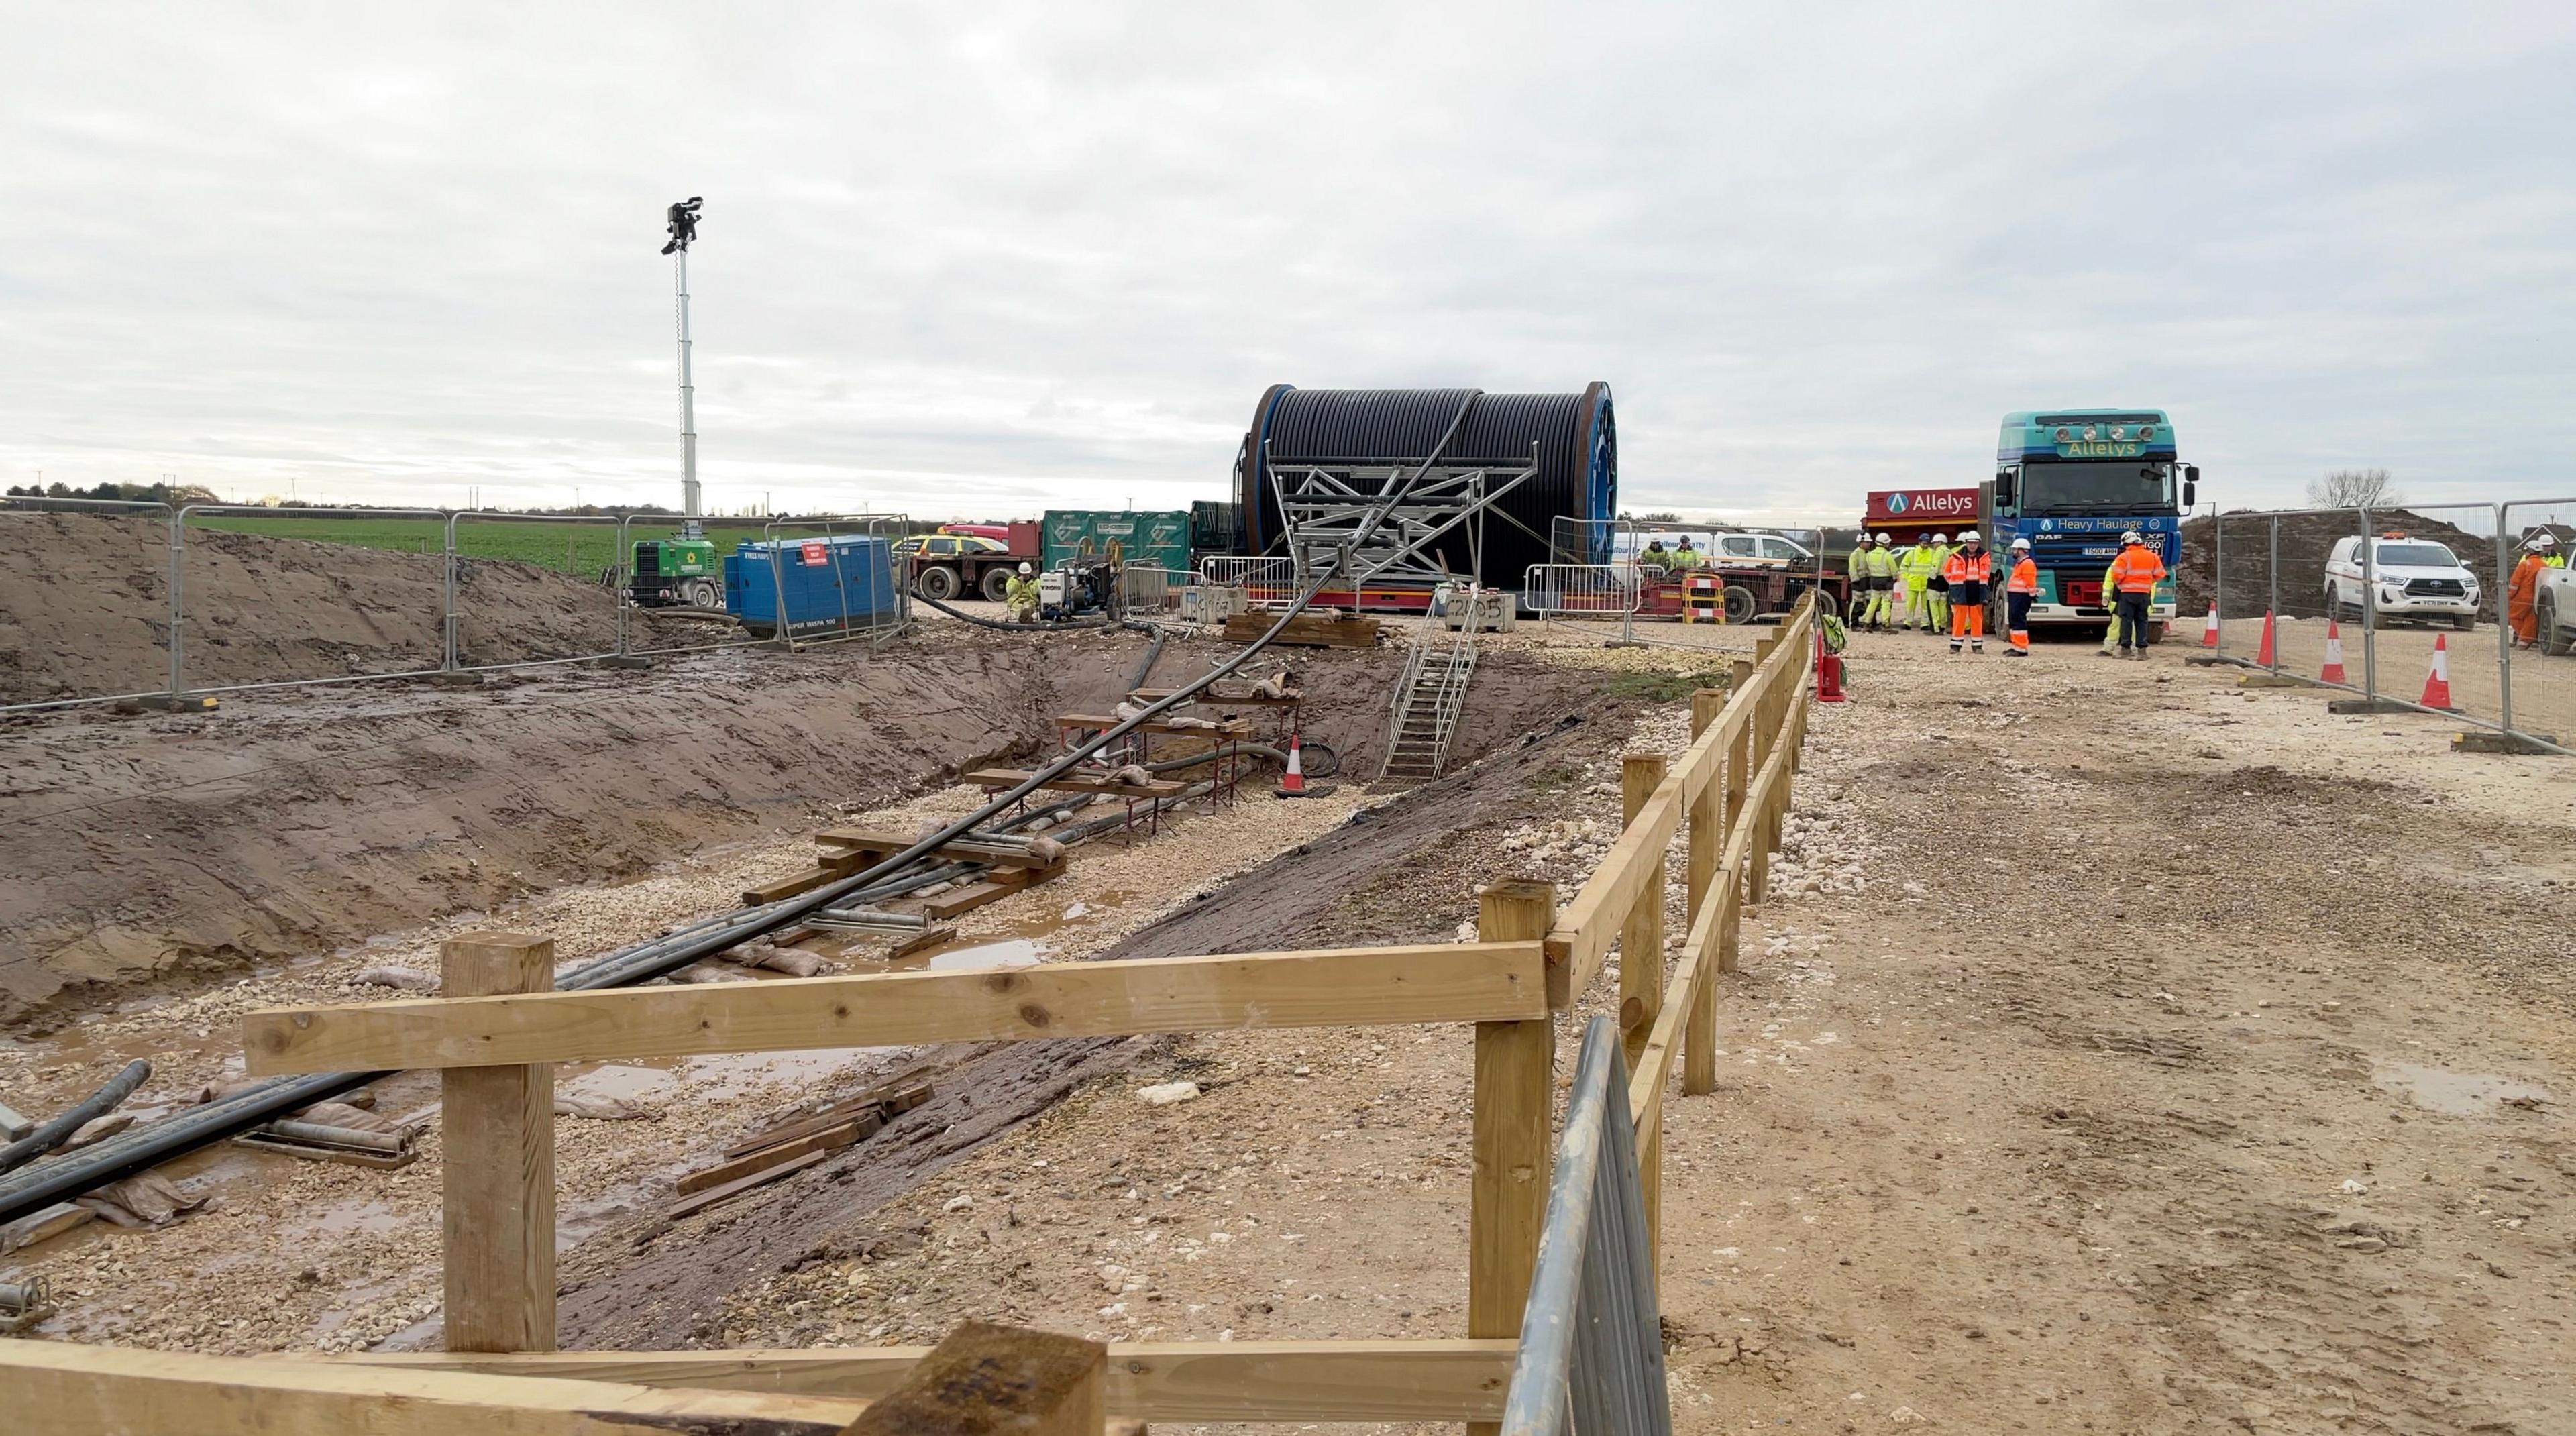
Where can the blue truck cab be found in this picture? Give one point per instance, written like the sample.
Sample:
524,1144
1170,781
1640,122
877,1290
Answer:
2070,481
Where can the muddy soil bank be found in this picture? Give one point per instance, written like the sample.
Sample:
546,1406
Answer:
153,852
85,609
1387,875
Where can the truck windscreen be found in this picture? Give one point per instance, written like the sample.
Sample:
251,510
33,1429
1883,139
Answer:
2117,485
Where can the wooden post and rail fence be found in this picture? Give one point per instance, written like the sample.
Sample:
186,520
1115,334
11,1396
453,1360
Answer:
496,1039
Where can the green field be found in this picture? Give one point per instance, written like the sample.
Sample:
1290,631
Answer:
584,549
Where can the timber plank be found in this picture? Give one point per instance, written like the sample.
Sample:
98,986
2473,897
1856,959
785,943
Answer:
1430,982
1225,727
879,843
1244,700
830,1139
1076,782
497,1125
56,1386
1410,1380
701,1200
885,1103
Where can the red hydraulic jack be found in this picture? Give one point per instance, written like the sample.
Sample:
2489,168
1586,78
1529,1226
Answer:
1829,672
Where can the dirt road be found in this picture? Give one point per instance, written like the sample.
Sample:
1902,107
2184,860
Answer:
2122,1052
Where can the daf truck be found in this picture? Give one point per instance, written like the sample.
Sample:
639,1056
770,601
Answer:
2072,481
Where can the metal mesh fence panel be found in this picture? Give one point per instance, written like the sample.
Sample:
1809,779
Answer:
2429,607
535,588
2536,584
276,598
89,618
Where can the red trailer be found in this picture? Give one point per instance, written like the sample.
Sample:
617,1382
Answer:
954,561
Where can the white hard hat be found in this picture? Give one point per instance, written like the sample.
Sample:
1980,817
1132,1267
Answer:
2133,536
2021,543
2542,539
1882,538
1968,536
1025,570
1942,538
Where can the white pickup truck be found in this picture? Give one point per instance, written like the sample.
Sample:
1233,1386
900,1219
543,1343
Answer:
2556,600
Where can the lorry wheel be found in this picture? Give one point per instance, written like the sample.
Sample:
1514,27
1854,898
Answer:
1741,605
2156,632
997,584
703,593
938,583
1826,607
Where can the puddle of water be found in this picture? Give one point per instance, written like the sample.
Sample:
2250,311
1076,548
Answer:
2461,1094
1009,952
623,1081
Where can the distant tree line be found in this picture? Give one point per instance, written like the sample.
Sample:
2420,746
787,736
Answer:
152,493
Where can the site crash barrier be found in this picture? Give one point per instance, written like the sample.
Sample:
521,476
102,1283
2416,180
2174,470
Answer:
458,638
1561,1314
2425,608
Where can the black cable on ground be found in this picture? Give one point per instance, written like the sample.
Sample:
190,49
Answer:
58,1131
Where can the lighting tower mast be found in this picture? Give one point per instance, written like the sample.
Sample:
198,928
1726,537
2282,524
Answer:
682,220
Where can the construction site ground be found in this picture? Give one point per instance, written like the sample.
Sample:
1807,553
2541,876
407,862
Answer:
2118,1051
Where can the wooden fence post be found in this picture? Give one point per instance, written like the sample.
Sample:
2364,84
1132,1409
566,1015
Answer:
1707,843
1515,1095
1641,975
497,1141
1739,775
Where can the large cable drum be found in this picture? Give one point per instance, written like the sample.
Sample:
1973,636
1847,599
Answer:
1577,452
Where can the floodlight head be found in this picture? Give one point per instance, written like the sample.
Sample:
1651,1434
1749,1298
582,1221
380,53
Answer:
682,221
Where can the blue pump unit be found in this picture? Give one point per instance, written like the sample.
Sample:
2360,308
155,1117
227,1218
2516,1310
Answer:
844,581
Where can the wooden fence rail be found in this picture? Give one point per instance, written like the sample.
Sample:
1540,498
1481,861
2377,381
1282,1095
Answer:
1730,790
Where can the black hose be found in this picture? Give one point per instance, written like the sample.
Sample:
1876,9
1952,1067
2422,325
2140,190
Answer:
1153,650
58,1131
1009,627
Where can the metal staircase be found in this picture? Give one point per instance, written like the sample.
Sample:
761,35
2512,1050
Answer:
1428,700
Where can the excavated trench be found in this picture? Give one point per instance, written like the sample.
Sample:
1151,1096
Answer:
178,870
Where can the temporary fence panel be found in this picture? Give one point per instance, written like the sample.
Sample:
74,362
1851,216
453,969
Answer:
1263,580
2538,640
639,634
1145,590
278,598
1580,590
522,593
1592,1343
118,647
817,581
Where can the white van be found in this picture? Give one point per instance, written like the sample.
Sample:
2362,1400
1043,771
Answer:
2410,578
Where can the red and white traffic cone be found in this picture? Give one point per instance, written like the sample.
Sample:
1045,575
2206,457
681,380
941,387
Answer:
2333,672
1292,784
2437,683
2264,656
2209,631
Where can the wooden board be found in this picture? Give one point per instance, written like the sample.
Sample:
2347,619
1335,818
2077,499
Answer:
879,843
1240,700
1305,631
831,1139
802,882
1073,782
982,1380
497,1128
700,1201
884,1103
56,1386
1284,1381
1430,982
1102,722
959,901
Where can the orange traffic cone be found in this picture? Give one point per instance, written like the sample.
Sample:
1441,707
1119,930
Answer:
2333,672
2263,657
2209,632
1292,784
2437,683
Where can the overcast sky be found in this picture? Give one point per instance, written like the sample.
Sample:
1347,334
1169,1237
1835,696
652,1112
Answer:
976,260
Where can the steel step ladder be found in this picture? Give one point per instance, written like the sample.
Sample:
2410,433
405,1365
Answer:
1429,700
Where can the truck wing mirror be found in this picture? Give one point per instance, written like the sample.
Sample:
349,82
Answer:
2003,488
2190,485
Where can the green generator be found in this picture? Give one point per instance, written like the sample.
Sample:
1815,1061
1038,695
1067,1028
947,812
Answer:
677,572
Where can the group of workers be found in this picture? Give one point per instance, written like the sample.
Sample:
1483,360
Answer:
1680,558
2522,590
1934,585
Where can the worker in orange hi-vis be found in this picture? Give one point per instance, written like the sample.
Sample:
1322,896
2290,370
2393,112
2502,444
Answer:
1969,570
2521,602
2135,573
2019,591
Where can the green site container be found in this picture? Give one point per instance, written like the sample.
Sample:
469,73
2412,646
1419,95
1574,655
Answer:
1154,538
